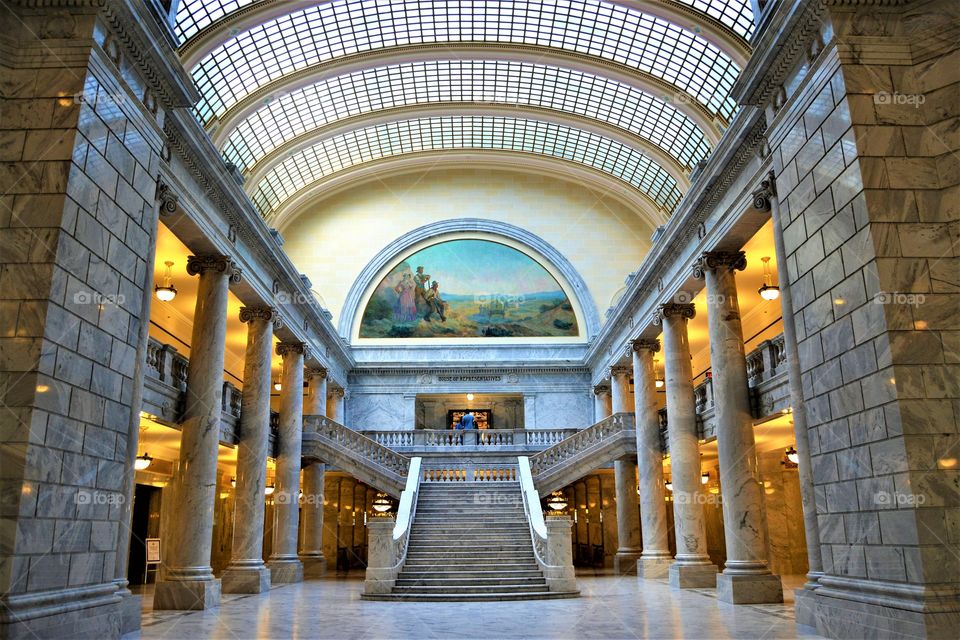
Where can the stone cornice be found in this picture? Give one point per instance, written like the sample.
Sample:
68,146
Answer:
452,369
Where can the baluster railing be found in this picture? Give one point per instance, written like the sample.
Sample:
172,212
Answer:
581,441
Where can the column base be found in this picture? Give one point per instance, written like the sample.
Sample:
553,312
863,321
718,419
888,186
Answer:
738,588
314,566
92,612
131,610
805,606
245,580
285,571
625,563
839,617
187,595
692,576
653,568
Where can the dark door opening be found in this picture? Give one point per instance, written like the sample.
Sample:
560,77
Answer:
145,524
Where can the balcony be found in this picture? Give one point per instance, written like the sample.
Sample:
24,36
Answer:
427,442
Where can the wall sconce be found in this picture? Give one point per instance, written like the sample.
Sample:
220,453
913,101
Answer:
657,375
791,459
705,477
142,462
469,397
668,485
167,292
277,386
233,482
269,489
768,290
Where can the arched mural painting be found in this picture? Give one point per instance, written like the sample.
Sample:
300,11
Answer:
468,288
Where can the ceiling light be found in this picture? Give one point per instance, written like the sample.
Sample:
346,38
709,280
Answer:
768,290
382,503
557,501
142,462
469,397
167,292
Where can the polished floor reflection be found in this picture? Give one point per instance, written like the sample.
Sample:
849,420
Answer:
611,607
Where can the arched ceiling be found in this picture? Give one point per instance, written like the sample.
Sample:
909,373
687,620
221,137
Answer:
294,91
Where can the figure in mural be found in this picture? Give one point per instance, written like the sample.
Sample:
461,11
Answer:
491,290
406,307
435,303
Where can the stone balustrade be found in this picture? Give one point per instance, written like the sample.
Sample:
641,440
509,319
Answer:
468,471
484,440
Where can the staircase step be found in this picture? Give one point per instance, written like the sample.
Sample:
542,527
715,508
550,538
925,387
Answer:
479,565
472,597
493,570
475,588
403,581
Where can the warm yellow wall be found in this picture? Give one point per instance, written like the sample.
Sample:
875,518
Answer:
333,240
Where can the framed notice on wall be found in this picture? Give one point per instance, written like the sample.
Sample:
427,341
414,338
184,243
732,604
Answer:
153,550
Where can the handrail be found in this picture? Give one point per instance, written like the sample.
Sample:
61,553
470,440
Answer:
568,448
358,444
406,512
533,511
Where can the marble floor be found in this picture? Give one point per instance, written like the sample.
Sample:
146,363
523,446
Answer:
610,607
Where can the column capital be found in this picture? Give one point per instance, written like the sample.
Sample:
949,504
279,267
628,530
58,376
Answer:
645,344
213,262
670,309
316,371
166,197
291,348
337,392
713,260
763,196
265,313
620,370
600,389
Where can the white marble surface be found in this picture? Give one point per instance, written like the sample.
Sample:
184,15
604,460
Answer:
610,607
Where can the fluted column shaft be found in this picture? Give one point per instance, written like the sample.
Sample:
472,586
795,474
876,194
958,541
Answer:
285,565
692,567
195,484
247,572
628,516
620,389
745,527
655,559
314,562
317,398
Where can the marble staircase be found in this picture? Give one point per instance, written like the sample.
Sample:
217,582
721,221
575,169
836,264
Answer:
471,541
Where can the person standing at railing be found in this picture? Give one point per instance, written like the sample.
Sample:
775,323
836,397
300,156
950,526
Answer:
467,421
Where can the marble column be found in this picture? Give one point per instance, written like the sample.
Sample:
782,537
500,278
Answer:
317,399
746,578
285,565
692,568
766,198
188,577
246,572
628,516
602,402
311,555
655,560
620,389
335,405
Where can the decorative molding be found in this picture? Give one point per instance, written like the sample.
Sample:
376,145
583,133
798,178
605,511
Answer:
674,309
600,389
621,370
214,262
645,344
763,196
713,260
166,197
293,348
317,371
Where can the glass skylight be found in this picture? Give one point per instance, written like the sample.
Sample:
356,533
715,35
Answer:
608,31
476,81
464,132
194,15
736,14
